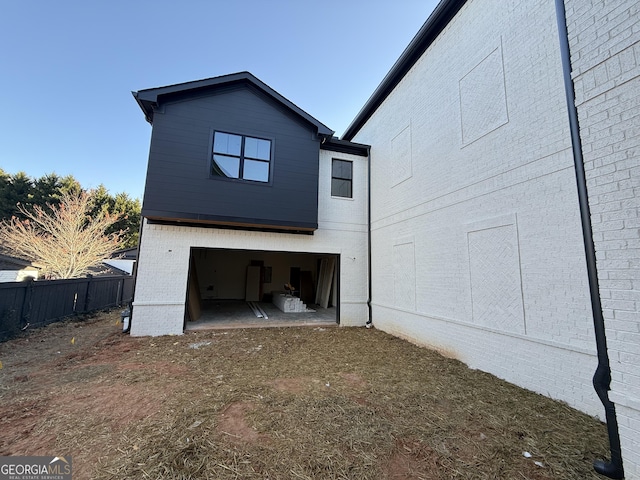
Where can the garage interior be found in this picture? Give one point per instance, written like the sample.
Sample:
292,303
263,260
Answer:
251,288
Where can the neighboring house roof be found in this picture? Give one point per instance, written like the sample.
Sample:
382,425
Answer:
125,254
8,276
437,21
122,265
104,269
9,262
151,98
18,275
15,269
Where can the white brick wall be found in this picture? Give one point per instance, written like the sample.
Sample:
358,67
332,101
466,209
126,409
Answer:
164,254
488,180
604,39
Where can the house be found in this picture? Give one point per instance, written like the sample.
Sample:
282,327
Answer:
499,157
239,176
123,260
14,269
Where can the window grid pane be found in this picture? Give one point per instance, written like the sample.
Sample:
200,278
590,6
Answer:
256,170
224,166
257,148
340,188
342,169
227,143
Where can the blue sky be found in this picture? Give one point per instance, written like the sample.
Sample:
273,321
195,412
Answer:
67,68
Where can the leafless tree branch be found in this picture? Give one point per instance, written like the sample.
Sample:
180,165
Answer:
65,241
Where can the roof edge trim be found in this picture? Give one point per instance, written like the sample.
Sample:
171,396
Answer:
334,144
437,21
149,98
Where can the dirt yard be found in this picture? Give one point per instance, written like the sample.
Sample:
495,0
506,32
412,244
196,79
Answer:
287,403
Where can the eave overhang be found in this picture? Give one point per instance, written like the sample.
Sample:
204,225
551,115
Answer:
334,144
151,98
218,221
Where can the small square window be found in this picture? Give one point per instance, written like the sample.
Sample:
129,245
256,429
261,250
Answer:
241,157
341,178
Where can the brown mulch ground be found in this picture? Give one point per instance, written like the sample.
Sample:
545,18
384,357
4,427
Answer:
300,403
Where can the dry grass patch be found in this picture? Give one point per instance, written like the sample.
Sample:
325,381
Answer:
279,404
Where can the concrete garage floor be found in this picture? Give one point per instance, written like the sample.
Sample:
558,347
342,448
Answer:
223,314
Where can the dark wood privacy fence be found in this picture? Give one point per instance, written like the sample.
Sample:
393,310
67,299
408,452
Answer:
36,303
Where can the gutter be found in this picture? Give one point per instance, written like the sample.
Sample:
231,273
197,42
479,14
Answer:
602,376
369,323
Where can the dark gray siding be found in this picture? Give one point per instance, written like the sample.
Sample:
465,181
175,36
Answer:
179,186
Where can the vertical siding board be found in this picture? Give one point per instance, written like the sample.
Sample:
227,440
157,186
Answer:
101,294
11,300
42,302
32,305
81,291
52,299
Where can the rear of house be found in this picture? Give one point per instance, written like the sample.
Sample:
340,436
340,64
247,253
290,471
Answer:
477,239
239,177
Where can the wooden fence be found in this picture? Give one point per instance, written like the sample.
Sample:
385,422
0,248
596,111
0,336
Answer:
36,303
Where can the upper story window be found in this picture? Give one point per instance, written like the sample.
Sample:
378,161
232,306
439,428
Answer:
242,157
341,178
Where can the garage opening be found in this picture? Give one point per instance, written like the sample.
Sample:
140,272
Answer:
254,288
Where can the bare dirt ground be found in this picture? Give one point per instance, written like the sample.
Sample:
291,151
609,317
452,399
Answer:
301,403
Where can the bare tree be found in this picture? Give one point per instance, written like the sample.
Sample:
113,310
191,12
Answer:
64,239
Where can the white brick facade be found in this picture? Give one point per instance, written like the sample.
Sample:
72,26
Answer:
604,39
477,247
163,267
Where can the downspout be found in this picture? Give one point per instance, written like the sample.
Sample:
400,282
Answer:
602,376
135,276
369,323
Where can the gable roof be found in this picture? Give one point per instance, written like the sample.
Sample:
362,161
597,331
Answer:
437,21
150,98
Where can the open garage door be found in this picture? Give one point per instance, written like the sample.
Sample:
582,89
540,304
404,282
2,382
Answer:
228,288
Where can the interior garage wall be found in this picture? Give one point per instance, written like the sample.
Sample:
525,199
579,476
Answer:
222,273
476,239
